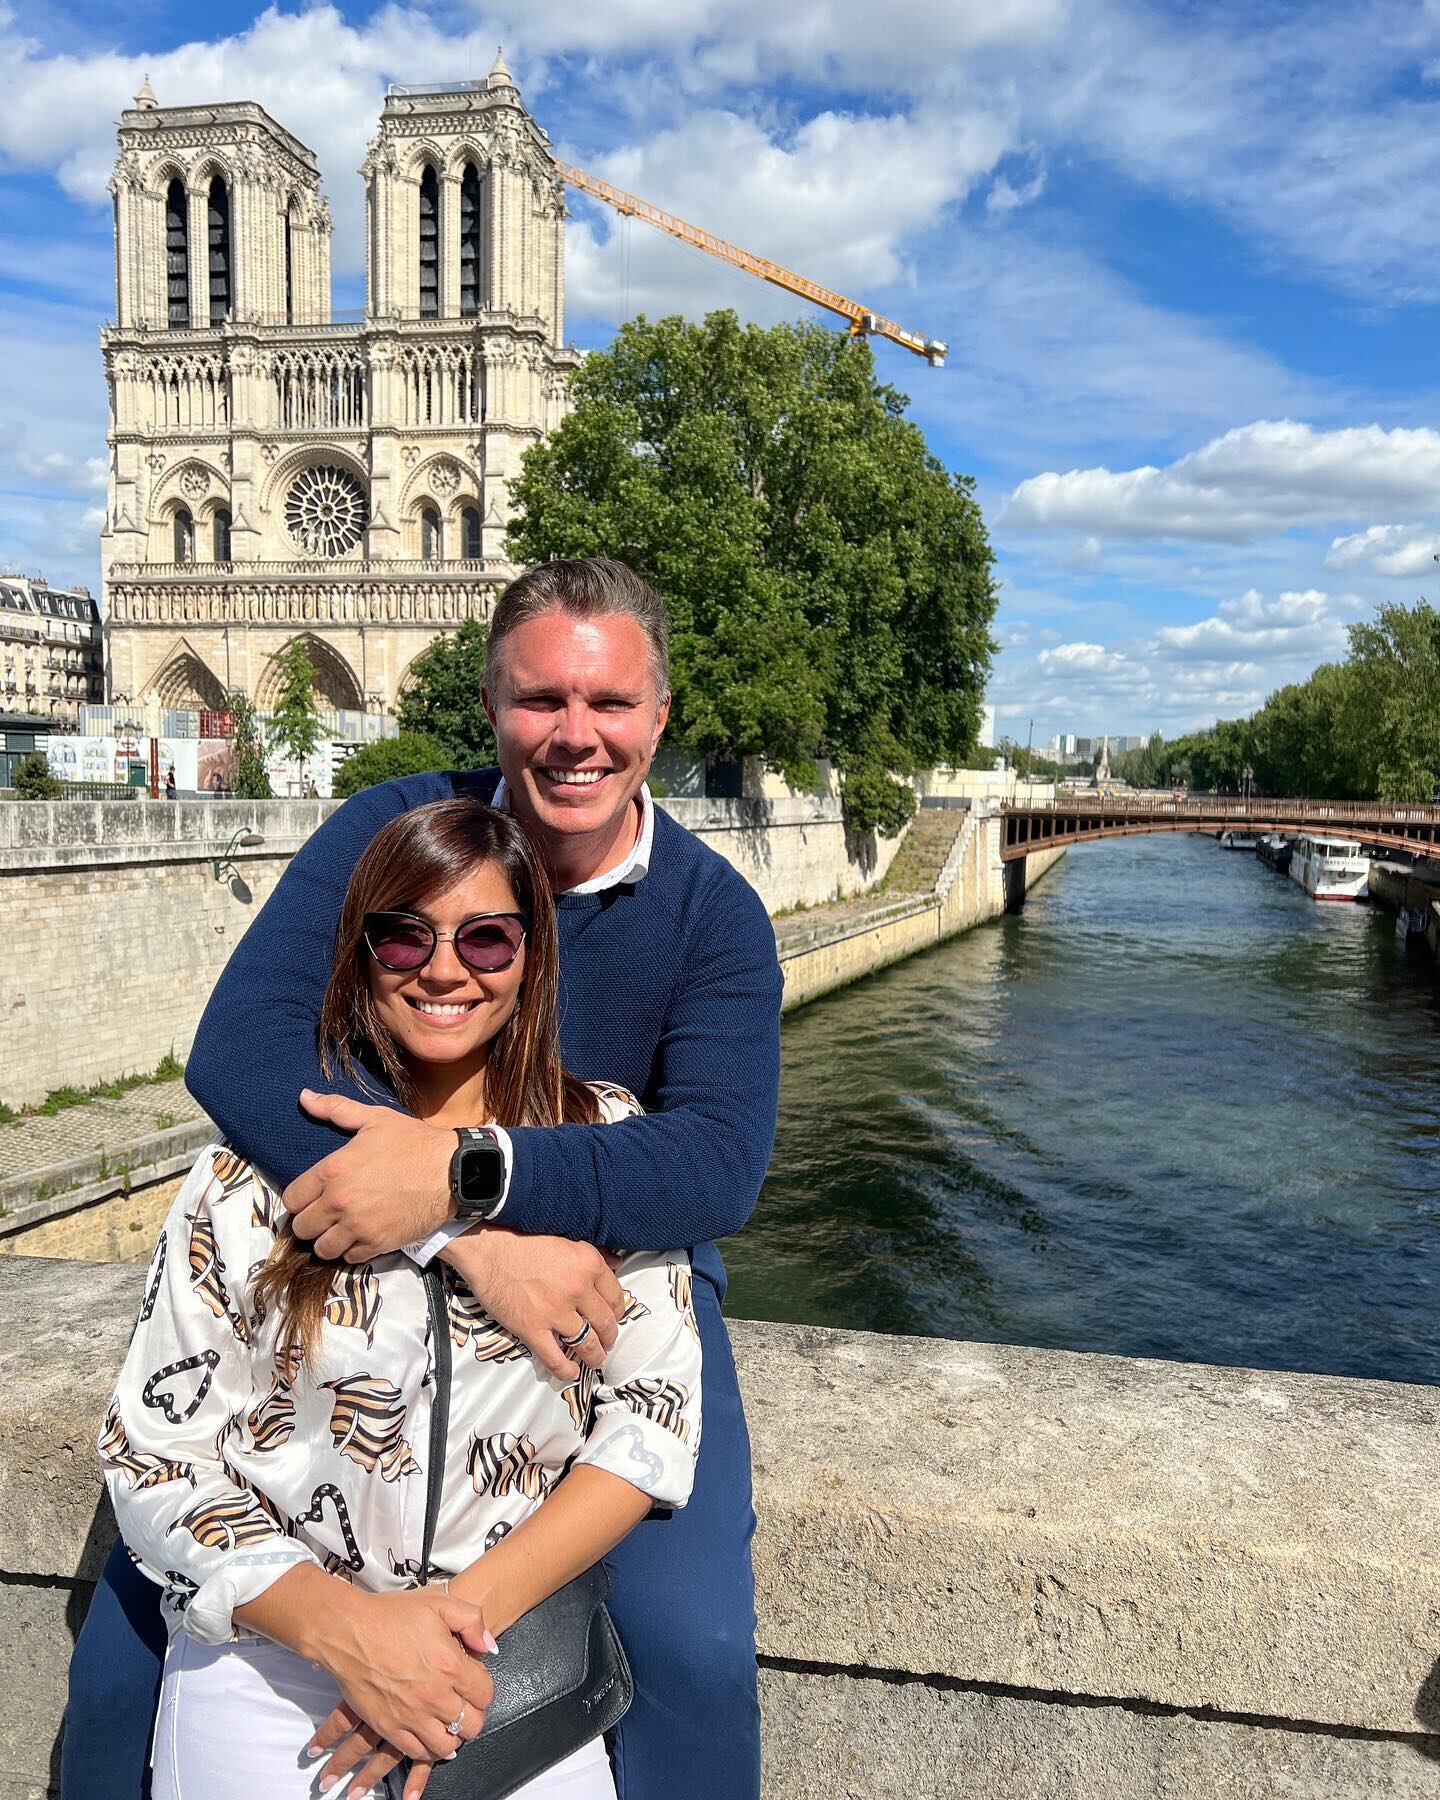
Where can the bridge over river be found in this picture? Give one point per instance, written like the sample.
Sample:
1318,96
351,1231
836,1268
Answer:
1081,818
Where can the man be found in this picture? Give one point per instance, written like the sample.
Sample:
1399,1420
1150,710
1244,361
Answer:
670,986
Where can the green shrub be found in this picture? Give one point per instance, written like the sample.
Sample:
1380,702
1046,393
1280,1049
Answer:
33,780
412,753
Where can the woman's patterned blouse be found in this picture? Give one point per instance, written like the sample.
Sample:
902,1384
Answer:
226,1467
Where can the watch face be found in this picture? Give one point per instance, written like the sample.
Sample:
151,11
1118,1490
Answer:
481,1175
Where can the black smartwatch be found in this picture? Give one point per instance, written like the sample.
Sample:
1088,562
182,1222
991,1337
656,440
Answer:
477,1174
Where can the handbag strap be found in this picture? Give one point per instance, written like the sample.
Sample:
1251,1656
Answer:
439,1406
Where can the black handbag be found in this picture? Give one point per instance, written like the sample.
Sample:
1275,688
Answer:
561,1677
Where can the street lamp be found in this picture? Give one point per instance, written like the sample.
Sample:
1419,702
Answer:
244,839
1247,775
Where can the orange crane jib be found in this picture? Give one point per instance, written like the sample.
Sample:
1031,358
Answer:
862,320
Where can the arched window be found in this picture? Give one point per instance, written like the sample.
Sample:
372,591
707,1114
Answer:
290,263
184,536
177,256
470,241
222,535
429,244
430,535
219,233
470,534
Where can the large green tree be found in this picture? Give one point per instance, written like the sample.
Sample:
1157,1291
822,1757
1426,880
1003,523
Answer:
829,582
441,698
1395,661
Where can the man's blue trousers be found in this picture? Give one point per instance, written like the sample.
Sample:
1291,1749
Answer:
682,1599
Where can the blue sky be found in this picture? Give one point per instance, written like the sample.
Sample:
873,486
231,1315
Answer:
1185,256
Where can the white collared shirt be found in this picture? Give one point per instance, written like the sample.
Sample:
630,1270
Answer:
634,868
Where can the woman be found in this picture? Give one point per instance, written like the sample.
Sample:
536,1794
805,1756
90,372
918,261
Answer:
265,1445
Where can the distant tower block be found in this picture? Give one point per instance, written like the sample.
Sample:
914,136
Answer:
275,475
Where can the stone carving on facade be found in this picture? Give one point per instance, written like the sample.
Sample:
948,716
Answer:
195,482
444,478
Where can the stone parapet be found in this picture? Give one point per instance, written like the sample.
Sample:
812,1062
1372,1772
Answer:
984,1572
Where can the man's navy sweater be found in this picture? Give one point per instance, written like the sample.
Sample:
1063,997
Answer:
669,986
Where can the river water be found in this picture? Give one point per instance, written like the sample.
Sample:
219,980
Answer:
1173,1109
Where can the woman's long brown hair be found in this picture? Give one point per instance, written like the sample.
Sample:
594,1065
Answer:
411,861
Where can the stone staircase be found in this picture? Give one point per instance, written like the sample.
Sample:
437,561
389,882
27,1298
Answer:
922,855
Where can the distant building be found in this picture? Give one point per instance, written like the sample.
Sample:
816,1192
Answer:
51,650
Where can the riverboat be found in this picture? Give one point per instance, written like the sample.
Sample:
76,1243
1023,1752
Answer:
1331,868
1238,840
1275,850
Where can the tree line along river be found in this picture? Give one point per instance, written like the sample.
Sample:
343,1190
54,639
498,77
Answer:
1173,1109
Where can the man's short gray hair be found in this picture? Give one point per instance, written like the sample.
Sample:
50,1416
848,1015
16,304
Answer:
586,587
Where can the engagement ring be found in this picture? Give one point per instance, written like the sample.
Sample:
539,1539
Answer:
454,1727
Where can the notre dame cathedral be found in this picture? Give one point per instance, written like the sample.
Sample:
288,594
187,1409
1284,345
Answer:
275,474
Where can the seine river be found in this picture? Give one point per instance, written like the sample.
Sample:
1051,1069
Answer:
1174,1109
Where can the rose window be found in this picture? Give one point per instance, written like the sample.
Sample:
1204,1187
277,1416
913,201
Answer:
325,511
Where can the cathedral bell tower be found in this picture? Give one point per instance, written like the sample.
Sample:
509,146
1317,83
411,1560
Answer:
275,475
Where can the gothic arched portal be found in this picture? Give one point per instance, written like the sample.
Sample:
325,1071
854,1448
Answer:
336,683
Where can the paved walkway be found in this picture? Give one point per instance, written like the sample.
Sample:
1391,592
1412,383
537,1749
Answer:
110,1125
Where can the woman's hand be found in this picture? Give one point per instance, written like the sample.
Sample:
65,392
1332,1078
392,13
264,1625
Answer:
405,1665
362,1749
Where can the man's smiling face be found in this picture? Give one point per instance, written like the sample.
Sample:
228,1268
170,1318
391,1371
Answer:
577,719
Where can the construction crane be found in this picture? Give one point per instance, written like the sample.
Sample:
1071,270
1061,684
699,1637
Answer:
863,322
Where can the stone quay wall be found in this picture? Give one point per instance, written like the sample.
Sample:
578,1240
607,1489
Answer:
114,927
971,890
984,1573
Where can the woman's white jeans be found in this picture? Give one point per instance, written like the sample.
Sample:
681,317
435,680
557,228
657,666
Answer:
234,1720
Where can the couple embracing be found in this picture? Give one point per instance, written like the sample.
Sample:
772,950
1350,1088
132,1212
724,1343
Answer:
422,1341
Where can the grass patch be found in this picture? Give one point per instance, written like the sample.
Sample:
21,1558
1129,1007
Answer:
165,1121
61,1099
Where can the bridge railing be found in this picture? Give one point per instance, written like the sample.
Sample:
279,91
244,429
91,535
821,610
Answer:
1227,806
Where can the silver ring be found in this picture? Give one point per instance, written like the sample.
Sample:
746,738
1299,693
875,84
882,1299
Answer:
454,1727
574,1343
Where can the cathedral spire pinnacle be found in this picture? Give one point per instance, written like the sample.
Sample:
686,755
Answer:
145,100
500,76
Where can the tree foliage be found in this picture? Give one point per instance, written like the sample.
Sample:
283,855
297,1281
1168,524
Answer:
441,699
829,582
248,777
295,723
33,780
1364,729
412,753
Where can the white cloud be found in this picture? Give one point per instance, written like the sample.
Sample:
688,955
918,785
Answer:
850,42
1092,658
1004,197
835,199
1388,550
1306,626
1252,481
1177,677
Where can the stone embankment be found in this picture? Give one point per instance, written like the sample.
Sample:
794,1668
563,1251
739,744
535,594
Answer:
158,894
984,1573
94,1181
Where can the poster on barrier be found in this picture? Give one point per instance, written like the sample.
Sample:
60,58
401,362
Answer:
215,765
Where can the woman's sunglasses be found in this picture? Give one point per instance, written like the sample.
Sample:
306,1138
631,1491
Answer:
485,942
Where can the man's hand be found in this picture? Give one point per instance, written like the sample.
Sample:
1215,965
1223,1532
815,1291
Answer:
387,1187
542,1289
